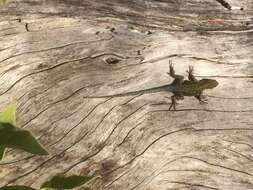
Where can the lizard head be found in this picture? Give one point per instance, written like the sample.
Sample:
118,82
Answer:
208,83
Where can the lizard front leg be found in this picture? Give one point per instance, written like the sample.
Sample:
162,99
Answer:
191,76
178,79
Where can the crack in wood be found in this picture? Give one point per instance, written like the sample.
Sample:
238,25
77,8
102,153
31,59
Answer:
225,4
226,76
116,179
104,142
188,23
127,135
16,161
217,165
82,160
229,98
241,143
44,162
201,110
48,106
40,71
190,184
147,147
184,129
78,124
238,153
57,47
90,112
58,120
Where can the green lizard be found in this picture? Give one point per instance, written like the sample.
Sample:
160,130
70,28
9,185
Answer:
179,87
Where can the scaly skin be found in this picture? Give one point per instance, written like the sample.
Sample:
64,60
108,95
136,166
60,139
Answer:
179,87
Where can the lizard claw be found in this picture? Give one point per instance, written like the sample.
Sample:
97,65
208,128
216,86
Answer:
172,71
170,62
191,69
203,102
173,103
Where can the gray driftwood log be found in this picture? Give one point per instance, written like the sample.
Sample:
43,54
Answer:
53,53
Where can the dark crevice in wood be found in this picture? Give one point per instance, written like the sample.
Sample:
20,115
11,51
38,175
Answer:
184,129
224,129
133,98
138,184
141,137
16,161
202,110
105,142
240,143
40,71
226,76
56,126
225,4
127,135
78,124
229,98
116,179
45,162
27,27
4,29
124,119
9,34
242,155
31,97
152,143
57,47
217,165
104,117
190,184
65,134
48,106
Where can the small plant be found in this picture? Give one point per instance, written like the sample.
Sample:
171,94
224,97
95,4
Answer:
14,137
16,187
3,2
17,138
64,182
58,182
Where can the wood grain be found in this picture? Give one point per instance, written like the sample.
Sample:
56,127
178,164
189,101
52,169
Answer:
54,53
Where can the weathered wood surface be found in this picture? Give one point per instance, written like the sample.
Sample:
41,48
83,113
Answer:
53,53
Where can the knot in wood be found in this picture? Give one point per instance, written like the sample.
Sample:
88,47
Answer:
112,60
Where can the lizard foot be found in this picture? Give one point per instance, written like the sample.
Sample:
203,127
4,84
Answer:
202,99
203,102
173,103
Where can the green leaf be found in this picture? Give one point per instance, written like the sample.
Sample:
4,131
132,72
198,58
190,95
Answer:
13,137
62,182
16,187
9,115
2,150
3,2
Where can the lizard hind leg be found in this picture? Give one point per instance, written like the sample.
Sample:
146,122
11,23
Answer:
174,102
201,99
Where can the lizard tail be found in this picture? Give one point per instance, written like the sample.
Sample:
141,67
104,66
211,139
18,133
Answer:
133,93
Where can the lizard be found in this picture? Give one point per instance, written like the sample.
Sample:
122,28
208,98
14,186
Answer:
179,87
